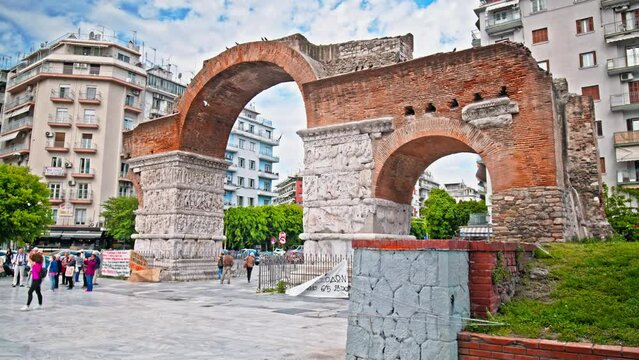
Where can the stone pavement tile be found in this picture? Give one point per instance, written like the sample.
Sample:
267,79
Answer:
195,320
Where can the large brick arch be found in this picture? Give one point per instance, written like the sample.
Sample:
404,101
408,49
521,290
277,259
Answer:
403,155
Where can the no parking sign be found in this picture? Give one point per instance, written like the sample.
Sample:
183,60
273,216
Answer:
282,237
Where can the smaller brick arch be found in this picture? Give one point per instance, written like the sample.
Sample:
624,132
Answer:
404,154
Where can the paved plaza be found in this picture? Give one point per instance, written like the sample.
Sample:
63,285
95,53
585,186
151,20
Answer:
194,320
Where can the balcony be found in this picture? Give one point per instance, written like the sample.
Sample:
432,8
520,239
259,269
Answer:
87,122
232,147
621,30
26,75
90,98
133,106
17,125
54,172
268,156
266,192
628,178
85,147
84,173
626,146
81,196
56,146
56,196
18,102
13,150
59,120
231,186
509,24
62,95
268,174
624,102
260,135
605,4
623,65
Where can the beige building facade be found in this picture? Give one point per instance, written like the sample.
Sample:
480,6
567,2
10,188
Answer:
66,106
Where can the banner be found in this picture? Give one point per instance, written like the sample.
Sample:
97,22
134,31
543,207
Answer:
333,284
115,263
137,262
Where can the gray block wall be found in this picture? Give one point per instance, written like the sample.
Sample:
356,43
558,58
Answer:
407,304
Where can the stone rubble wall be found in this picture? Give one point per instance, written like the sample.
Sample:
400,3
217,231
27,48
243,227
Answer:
407,304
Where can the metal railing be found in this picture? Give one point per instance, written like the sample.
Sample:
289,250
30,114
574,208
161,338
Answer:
54,171
269,156
59,144
19,101
626,176
258,133
15,124
86,145
619,27
295,268
623,62
88,119
58,195
59,118
631,98
12,148
26,75
79,194
85,171
626,138
96,96
60,94
133,104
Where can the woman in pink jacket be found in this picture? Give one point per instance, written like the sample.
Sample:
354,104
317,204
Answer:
89,270
36,281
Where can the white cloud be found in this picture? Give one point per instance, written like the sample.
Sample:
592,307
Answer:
200,35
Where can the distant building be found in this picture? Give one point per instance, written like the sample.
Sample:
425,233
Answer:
462,192
425,184
162,92
249,152
289,191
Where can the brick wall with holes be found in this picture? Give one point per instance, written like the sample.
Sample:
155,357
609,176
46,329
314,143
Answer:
480,346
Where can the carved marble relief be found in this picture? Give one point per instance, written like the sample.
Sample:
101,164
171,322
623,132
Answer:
490,113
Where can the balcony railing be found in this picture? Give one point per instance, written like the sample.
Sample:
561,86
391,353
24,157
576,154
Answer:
86,145
13,148
626,138
625,101
19,101
612,3
16,124
626,177
621,28
623,64
59,119
26,75
54,171
84,172
67,95
57,195
90,97
261,134
87,121
512,21
268,156
135,106
57,144
81,195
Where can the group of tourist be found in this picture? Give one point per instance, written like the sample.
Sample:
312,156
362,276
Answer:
225,264
30,269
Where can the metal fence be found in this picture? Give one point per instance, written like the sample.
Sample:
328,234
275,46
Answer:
163,260
295,271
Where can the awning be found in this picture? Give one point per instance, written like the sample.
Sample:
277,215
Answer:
20,111
70,234
622,37
9,137
502,5
627,153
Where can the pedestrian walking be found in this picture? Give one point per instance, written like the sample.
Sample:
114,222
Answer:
249,262
8,262
60,273
70,271
53,272
98,262
228,265
90,266
63,269
19,262
37,273
220,265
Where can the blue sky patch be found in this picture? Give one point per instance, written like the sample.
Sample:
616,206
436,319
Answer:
173,13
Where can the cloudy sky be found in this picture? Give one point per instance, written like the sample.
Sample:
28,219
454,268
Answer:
186,32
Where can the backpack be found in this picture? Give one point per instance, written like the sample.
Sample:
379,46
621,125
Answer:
43,273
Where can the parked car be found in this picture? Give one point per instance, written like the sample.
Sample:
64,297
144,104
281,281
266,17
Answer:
296,255
279,252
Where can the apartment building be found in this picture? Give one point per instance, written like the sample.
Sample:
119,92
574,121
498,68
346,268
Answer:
3,87
289,191
594,44
161,92
67,104
249,152
424,185
462,192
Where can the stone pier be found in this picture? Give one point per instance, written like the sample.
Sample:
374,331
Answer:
180,221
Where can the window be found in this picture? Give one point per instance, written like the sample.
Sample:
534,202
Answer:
251,128
632,56
241,162
269,134
240,181
87,141
67,68
252,146
632,124
585,25
64,91
599,127
228,156
85,166
592,91
602,165
56,161
588,59
240,200
92,92
94,69
229,178
500,16
55,190
59,140
252,183
128,123
537,5
124,58
54,215
61,114
125,189
540,35
130,100
241,125
268,168
89,116
156,103
252,164
80,216
267,201
241,143
544,65
83,191
251,201
124,169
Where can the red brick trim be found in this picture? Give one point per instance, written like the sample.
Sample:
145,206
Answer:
411,244
480,346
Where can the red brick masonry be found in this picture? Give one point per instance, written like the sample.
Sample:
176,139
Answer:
479,346
484,295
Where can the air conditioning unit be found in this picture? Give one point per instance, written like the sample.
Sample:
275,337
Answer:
49,134
71,182
91,224
68,165
627,76
620,8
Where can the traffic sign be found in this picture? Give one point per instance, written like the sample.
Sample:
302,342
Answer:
282,237
273,240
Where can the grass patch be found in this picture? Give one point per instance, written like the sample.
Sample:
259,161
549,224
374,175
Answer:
593,296
280,288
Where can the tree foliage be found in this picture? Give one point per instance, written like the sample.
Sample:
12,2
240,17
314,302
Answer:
25,211
622,216
245,227
119,217
418,228
443,216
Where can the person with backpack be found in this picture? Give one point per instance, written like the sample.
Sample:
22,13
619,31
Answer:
227,261
220,265
38,272
69,272
249,262
53,272
97,267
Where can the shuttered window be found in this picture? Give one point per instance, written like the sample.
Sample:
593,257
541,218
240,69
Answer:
592,91
585,25
540,35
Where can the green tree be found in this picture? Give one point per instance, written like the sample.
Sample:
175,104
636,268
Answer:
440,214
465,208
418,227
245,227
24,205
622,216
119,217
